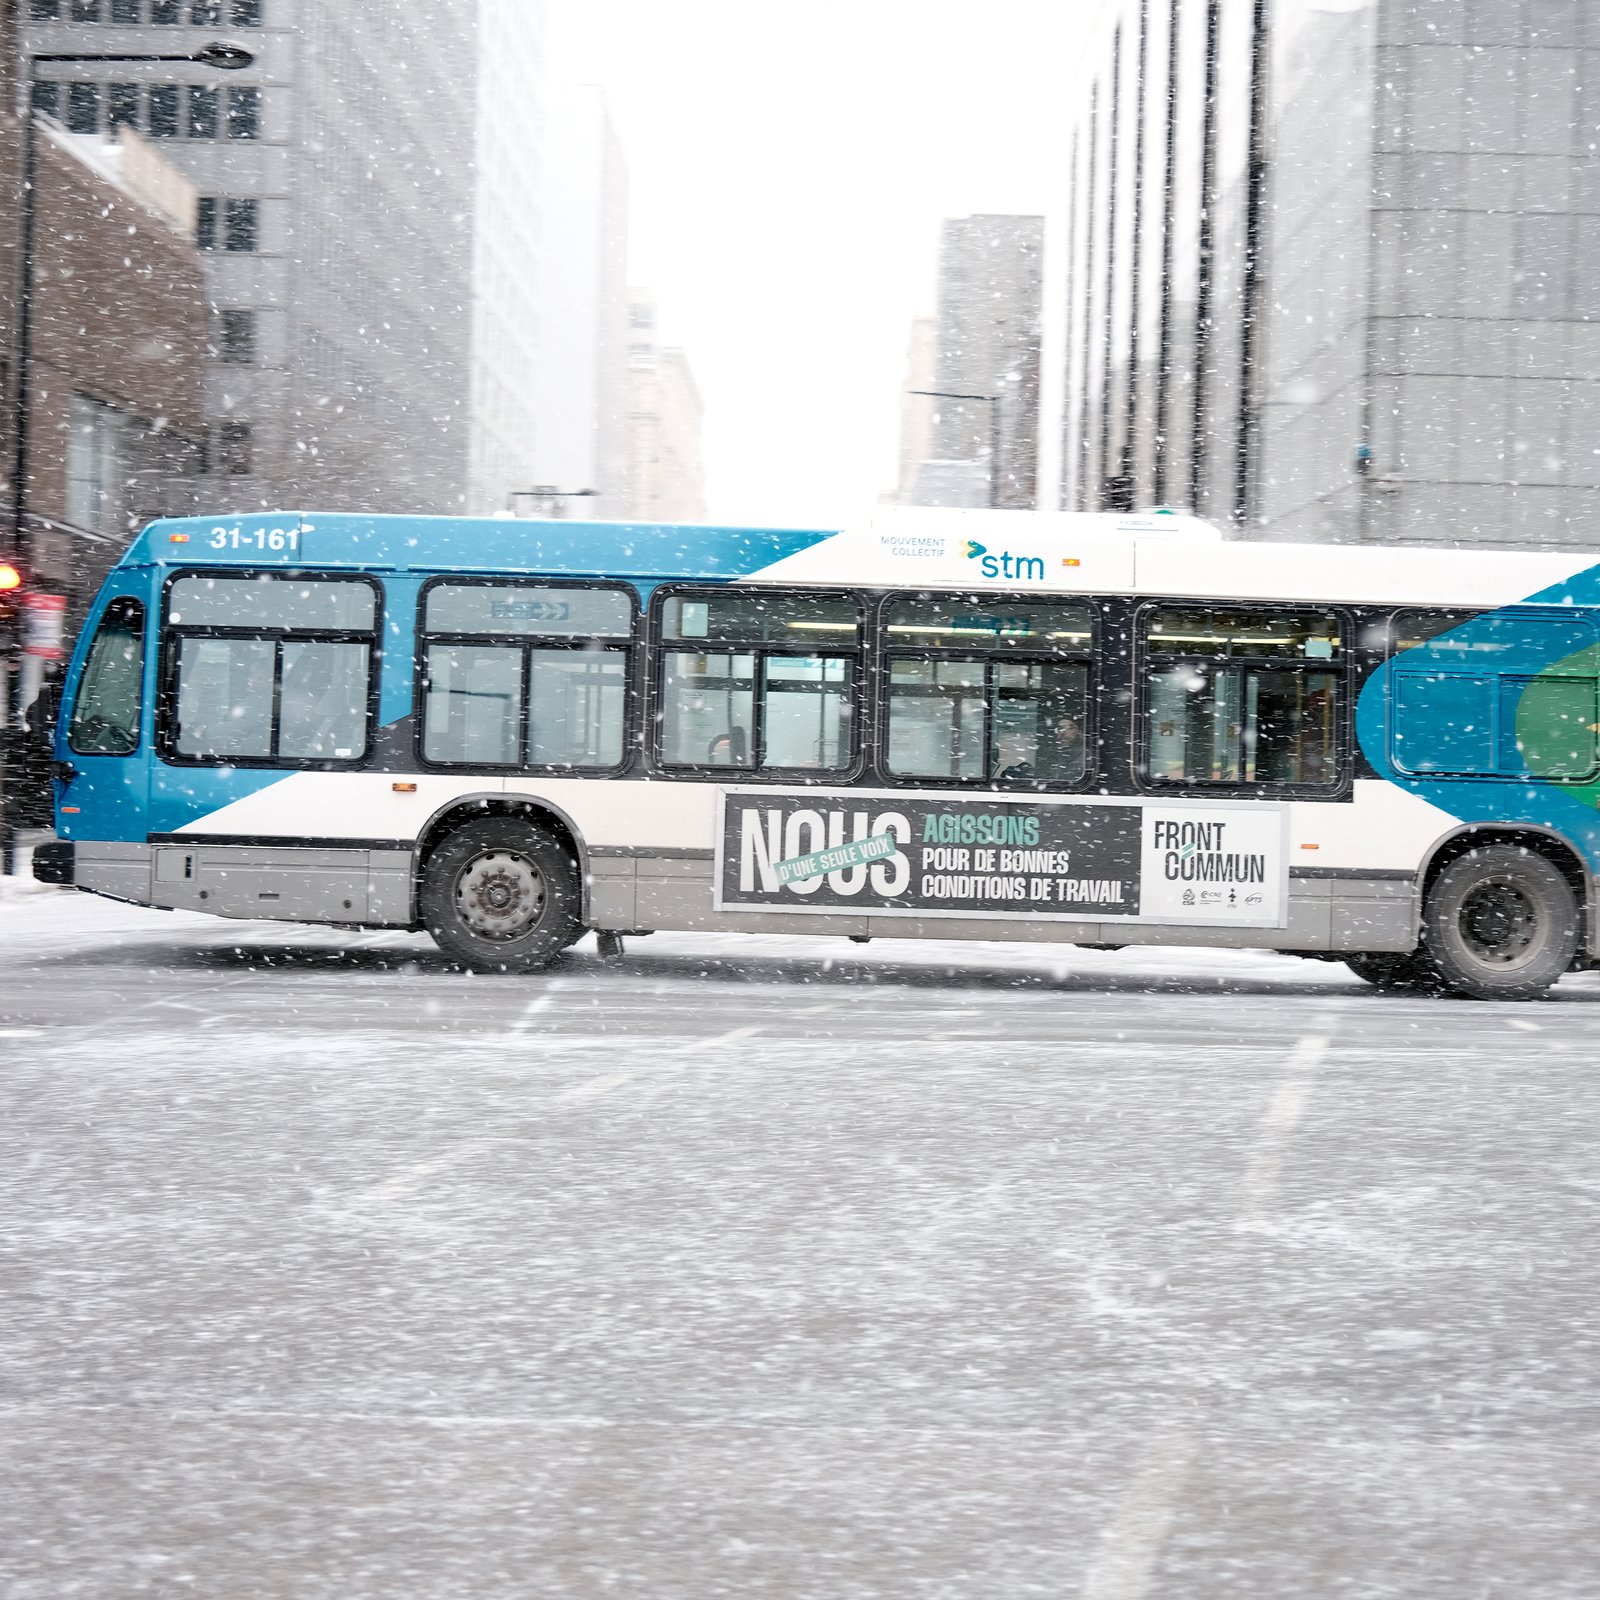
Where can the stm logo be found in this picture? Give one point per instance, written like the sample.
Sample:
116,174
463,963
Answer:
1003,565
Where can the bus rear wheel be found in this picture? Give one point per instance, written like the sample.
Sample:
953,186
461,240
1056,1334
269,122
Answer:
501,895
1500,924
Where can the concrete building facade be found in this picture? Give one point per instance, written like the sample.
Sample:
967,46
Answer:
1329,269
987,343
507,239
917,408
336,222
582,404
666,470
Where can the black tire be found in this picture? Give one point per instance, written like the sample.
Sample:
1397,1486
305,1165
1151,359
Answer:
1385,969
501,895
1500,924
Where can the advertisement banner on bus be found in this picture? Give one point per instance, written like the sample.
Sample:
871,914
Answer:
922,854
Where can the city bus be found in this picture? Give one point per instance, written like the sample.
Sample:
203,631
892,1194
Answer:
1092,729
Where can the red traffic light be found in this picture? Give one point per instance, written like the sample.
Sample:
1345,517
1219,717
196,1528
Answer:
10,577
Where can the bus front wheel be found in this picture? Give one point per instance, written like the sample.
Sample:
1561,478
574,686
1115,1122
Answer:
501,895
1500,923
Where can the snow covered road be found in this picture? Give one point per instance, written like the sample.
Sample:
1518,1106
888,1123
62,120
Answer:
773,1267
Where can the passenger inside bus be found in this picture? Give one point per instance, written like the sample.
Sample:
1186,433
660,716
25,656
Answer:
1058,756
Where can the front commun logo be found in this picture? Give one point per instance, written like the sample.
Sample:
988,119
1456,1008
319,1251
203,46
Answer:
1003,565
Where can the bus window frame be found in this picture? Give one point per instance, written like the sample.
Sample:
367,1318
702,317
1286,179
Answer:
628,644
168,637
1339,669
1089,656
67,715
860,654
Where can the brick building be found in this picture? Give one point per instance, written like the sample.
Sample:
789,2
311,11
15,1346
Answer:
119,335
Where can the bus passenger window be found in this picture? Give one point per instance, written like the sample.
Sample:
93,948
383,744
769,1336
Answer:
473,709
763,682
985,690
105,719
268,669
525,675
1239,697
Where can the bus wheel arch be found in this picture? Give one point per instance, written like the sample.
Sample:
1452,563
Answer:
500,883
1503,912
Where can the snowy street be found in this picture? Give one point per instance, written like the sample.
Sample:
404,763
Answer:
779,1267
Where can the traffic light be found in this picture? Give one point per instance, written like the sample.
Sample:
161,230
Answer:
10,592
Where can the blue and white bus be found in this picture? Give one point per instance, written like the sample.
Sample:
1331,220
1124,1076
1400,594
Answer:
1092,729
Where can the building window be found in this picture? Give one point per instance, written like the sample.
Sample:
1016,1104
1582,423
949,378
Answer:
202,112
123,108
760,682
242,218
246,13
237,337
86,10
268,669
1240,696
206,13
44,10
167,11
83,107
984,689
525,675
47,99
100,465
164,111
125,11
205,223
244,113
234,449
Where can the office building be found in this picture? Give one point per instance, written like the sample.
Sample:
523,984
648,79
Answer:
1330,272
982,344
507,240
666,472
336,219
988,322
116,372
581,407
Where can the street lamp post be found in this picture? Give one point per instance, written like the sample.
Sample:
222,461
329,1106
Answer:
550,495
994,432
225,58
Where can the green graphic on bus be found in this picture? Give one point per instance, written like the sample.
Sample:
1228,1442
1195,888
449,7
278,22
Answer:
858,853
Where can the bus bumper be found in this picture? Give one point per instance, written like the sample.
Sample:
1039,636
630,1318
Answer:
54,863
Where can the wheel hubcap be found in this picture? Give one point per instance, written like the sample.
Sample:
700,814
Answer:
500,895
1499,923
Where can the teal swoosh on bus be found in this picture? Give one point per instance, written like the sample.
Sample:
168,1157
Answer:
1534,719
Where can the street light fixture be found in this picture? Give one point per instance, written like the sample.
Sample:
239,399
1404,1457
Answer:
993,401
222,57
549,493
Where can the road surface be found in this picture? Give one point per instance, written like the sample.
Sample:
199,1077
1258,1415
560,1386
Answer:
783,1268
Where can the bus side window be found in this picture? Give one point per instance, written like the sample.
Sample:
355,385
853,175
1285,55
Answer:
1502,695
759,682
268,668
525,674
105,716
1240,696
986,689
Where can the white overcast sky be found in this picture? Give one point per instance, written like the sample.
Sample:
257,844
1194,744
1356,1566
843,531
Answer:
789,165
